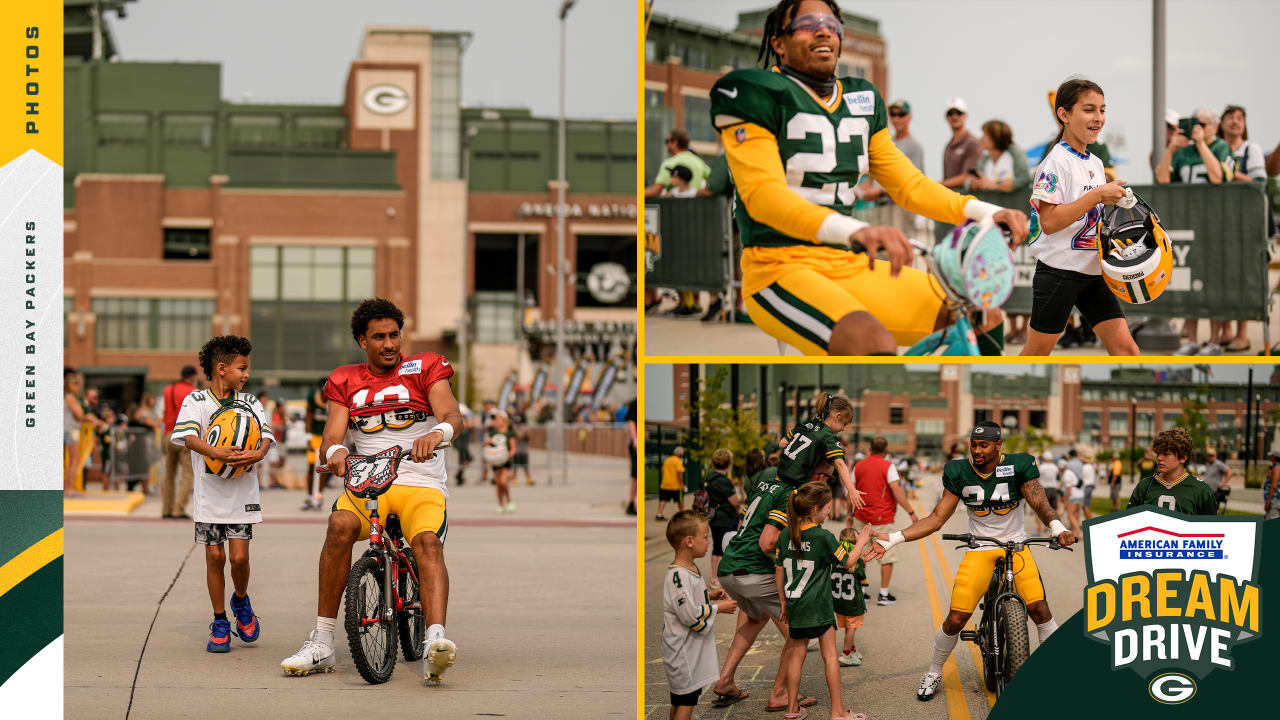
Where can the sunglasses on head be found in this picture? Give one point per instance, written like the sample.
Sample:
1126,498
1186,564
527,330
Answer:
813,22
953,111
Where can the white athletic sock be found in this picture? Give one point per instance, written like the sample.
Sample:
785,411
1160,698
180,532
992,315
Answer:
884,591
1044,630
943,644
435,632
324,630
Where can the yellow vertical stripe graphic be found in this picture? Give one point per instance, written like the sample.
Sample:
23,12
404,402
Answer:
31,80
30,560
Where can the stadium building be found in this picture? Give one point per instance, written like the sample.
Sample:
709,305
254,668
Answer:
922,411
684,59
188,215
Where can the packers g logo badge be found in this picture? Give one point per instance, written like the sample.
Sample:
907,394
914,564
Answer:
233,425
1172,594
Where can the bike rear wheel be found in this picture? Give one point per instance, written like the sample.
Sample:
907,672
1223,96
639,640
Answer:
373,644
413,625
1016,643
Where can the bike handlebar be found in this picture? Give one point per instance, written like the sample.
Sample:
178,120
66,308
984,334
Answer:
403,454
972,541
858,247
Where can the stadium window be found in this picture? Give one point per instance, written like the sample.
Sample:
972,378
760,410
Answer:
697,118
495,316
151,323
654,98
981,414
650,50
186,243
1224,421
446,113
196,130
1118,422
895,416
1169,419
256,131
497,254
320,131
1037,418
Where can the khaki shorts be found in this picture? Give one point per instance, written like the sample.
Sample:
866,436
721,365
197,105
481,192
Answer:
757,595
850,622
888,558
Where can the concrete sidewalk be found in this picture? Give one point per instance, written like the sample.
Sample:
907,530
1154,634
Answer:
542,607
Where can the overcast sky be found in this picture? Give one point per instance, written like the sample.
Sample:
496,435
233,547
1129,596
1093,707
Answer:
1003,56
297,51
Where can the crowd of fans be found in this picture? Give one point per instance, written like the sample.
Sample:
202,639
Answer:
1204,147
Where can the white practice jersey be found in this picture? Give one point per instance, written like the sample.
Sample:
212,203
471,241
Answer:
1064,176
218,499
1048,475
688,631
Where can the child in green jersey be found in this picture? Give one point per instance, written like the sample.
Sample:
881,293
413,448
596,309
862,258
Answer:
847,598
803,575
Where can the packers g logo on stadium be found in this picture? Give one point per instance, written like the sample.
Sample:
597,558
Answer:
234,425
1172,594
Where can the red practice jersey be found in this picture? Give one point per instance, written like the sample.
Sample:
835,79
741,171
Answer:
393,408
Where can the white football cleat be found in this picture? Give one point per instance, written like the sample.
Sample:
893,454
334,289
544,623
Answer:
437,658
928,686
314,657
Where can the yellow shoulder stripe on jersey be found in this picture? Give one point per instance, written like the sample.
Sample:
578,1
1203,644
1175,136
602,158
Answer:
909,187
756,166
830,105
835,452
981,474
778,516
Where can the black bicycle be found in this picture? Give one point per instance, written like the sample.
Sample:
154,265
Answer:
1002,634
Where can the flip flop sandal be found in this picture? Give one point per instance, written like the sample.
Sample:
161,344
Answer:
727,700
804,703
797,715
852,716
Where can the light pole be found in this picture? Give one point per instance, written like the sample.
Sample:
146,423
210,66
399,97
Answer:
561,262
464,322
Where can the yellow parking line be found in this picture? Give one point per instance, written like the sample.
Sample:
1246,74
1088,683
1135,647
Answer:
957,708
973,649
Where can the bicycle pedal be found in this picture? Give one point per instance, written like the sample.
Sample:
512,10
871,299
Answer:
969,635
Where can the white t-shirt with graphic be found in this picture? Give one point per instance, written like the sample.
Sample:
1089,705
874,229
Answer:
1064,176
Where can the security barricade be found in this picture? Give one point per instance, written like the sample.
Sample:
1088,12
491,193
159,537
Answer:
688,244
1219,239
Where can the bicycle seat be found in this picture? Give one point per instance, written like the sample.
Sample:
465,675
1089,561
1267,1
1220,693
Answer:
392,527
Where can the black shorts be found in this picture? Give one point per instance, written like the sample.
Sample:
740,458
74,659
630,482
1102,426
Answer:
669,495
632,449
1051,494
520,460
1054,292
808,633
717,539
685,699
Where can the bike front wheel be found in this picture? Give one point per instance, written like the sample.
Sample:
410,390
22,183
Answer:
1016,645
413,626
370,632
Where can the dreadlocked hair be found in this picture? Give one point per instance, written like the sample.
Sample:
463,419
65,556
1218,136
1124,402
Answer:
777,21
802,503
838,404
374,309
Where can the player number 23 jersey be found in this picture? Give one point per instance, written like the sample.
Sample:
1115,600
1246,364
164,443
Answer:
393,409
994,501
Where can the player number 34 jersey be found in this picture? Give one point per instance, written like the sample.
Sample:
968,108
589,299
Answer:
392,409
994,500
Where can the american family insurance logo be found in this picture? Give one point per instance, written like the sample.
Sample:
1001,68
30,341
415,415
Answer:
1155,543
1172,594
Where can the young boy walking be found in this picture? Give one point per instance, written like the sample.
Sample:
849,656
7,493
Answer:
218,425
688,628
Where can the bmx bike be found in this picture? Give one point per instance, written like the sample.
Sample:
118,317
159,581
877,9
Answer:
974,267
1001,634
382,596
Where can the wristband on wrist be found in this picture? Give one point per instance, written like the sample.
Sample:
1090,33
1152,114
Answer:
328,455
1056,527
895,537
980,211
445,430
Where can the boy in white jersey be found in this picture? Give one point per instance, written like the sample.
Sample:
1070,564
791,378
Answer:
1066,200
688,617
226,481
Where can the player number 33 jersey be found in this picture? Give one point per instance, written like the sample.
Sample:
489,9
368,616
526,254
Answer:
994,500
393,409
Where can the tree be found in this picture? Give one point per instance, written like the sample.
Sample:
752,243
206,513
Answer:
718,427
1035,441
1195,420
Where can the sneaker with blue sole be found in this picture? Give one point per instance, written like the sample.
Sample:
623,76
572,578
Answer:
247,625
219,636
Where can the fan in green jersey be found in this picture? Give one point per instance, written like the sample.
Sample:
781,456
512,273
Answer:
803,576
1171,486
816,441
992,486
